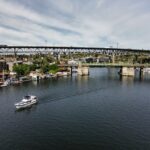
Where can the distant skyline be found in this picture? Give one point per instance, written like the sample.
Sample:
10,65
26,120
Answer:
96,23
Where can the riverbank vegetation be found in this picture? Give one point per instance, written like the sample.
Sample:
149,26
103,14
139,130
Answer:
48,63
24,69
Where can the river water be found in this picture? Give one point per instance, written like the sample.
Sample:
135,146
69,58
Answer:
99,112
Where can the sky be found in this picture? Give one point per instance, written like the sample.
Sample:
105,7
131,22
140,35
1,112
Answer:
94,23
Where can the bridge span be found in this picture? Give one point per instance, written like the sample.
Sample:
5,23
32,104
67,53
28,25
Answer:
117,65
4,49
125,68
136,65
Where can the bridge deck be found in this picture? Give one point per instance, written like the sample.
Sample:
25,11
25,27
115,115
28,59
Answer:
109,65
67,48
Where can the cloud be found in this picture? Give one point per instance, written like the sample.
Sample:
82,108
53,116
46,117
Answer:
99,23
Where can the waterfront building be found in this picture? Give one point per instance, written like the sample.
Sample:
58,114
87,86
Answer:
3,70
3,65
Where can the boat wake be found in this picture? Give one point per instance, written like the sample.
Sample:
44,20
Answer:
47,99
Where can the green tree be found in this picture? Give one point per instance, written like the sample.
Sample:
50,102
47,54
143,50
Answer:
53,68
33,67
22,69
45,68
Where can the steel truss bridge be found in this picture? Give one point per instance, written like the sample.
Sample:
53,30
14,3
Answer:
29,50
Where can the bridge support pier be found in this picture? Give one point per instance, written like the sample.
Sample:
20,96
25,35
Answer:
71,70
15,54
141,74
113,58
127,71
83,70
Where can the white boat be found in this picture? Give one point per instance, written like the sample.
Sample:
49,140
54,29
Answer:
3,85
6,83
27,101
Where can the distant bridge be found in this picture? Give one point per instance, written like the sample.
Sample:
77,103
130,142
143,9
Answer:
127,69
27,50
136,65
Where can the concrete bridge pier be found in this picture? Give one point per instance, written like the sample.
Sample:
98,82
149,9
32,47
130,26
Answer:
83,70
70,70
113,58
127,71
141,72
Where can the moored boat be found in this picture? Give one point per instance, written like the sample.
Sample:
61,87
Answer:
6,83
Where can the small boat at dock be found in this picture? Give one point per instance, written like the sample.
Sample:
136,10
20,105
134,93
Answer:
15,81
27,101
4,84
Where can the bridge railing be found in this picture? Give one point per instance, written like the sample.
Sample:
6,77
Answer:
116,65
59,49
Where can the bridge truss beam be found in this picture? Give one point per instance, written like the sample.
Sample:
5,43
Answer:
28,50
